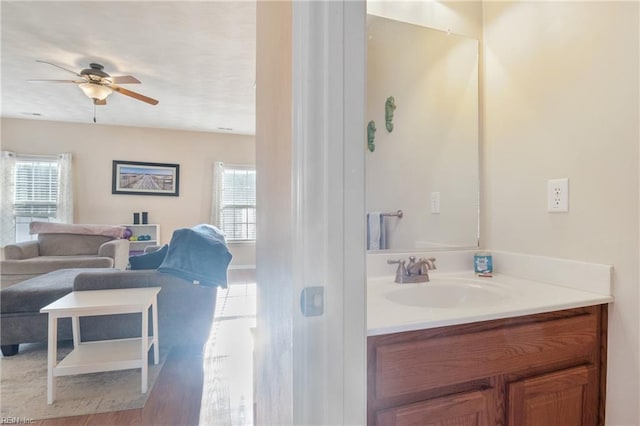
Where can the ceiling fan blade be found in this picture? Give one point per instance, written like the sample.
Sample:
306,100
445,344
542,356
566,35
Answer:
124,79
58,66
133,94
57,81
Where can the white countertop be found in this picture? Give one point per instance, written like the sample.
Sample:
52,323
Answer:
521,297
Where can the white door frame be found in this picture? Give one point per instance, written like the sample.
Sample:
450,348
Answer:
310,158
329,351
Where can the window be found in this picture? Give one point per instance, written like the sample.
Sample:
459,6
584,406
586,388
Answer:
235,201
35,188
36,193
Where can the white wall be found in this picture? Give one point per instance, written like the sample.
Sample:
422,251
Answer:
561,100
274,247
95,146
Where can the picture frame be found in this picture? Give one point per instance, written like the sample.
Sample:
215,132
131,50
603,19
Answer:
141,178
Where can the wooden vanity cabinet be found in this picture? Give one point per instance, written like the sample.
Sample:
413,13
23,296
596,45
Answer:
543,369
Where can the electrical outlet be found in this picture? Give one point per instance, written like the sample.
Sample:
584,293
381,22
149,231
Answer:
435,203
558,195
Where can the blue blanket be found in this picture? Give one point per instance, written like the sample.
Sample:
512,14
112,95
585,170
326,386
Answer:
199,254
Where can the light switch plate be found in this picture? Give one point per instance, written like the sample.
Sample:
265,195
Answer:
435,203
558,195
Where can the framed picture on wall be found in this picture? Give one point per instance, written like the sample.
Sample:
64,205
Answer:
137,178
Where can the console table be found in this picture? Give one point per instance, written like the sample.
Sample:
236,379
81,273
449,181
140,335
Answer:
103,355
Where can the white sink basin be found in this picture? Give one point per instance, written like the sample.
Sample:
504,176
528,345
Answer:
449,293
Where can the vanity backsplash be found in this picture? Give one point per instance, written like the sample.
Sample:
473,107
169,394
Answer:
592,277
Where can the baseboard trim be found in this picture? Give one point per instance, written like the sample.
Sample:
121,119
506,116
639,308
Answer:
236,267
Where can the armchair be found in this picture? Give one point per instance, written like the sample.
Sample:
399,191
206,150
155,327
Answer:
61,246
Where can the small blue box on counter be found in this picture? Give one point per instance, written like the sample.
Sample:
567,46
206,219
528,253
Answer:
482,263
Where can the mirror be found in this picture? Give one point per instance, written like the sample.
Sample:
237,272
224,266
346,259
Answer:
427,165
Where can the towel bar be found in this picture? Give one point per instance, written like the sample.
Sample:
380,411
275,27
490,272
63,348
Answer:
399,214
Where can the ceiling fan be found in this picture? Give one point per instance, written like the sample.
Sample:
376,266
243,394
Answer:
98,85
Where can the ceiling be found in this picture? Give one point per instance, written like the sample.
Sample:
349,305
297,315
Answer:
196,58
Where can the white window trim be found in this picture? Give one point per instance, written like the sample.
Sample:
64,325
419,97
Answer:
218,168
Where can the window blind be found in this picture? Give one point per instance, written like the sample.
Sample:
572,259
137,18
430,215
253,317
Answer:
238,202
36,187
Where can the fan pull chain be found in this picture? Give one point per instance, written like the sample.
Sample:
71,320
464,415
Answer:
94,112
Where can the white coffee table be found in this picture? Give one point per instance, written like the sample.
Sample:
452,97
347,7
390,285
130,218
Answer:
103,355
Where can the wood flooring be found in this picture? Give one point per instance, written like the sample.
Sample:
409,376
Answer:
188,391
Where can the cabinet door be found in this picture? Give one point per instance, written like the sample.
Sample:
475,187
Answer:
467,409
563,398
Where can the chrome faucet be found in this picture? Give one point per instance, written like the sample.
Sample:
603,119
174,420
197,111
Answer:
414,272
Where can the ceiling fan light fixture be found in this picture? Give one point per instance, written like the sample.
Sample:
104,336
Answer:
95,91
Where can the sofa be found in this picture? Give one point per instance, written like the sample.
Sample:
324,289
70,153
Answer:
63,246
189,270
185,310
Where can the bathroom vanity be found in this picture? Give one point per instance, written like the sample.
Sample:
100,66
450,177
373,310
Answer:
507,350
525,347
546,368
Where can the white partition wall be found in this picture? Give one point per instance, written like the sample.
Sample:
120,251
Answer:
310,160
274,248
328,158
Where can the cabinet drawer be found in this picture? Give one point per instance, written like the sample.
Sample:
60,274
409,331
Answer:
421,364
467,409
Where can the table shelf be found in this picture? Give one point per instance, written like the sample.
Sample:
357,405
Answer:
103,355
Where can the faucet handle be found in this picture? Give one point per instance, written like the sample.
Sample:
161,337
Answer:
411,265
427,264
401,268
